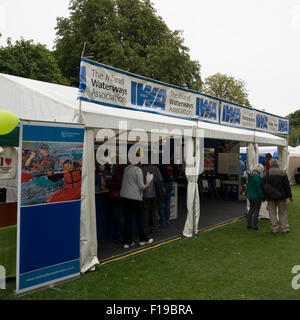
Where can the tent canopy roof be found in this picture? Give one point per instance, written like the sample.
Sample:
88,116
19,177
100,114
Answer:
42,101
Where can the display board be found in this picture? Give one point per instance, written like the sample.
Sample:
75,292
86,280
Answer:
228,163
49,199
209,158
113,87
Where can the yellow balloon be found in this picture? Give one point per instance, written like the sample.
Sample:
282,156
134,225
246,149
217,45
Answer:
8,121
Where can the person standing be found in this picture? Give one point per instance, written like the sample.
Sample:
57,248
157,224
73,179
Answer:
151,201
277,190
255,195
115,202
242,167
268,159
132,194
164,204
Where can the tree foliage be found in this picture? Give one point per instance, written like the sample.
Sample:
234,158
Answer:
294,137
227,88
126,34
29,60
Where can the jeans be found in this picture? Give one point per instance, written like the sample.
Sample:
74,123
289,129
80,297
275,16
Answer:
252,216
151,207
164,205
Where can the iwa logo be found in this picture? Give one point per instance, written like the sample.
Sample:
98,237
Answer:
151,97
206,108
2,278
66,134
261,121
282,126
231,114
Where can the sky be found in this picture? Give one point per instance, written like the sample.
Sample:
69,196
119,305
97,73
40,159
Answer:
257,41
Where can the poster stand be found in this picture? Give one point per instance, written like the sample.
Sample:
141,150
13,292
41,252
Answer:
49,201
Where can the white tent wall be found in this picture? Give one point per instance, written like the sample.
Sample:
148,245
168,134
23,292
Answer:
214,131
252,155
37,100
88,232
283,157
193,151
294,163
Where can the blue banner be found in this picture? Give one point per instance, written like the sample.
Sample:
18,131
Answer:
49,204
108,86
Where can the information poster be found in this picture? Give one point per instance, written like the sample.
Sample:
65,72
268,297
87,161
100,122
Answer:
49,200
209,158
228,163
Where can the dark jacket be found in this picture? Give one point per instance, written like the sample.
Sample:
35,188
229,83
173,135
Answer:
278,179
254,186
151,192
163,168
116,180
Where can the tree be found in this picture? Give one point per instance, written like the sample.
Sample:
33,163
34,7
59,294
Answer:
126,34
29,60
294,136
227,88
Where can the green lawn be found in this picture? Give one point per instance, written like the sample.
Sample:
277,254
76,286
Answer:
229,262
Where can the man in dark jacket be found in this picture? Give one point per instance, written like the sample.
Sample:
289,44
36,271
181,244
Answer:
277,189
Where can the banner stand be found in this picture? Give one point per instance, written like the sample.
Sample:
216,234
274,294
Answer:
49,201
45,286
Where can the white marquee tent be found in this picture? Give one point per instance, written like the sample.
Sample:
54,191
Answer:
41,101
294,163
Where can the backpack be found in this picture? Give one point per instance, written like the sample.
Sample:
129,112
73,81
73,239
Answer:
270,192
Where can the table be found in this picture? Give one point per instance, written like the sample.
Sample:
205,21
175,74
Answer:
8,249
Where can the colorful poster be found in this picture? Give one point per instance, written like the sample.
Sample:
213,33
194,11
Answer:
49,203
51,172
209,158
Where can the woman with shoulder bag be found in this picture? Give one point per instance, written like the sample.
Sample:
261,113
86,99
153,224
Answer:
132,195
255,195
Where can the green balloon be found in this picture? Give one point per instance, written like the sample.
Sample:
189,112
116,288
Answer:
8,121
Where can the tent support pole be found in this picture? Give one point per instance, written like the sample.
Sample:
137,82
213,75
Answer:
80,116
